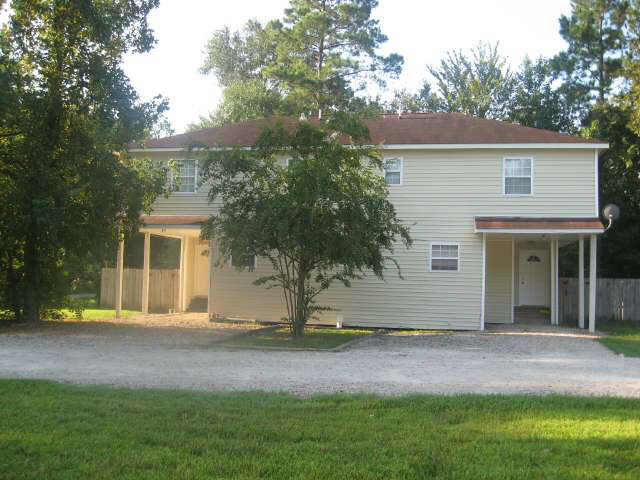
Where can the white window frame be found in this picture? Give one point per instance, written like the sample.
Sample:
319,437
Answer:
196,168
255,263
431,257
401,170
504,176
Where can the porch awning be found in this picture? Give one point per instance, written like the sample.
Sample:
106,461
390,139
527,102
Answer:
538,225
173,219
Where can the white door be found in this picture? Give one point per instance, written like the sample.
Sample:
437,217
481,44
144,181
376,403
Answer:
534,275
201,270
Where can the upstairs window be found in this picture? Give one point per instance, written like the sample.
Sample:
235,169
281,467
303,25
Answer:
187,176
243,261
393,170
517,176
445,257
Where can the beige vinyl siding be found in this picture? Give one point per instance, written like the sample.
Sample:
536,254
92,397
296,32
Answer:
499,282
441,192
178,203
235,296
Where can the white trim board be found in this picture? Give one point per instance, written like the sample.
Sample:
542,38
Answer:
523,215
435,146
498,231
597,185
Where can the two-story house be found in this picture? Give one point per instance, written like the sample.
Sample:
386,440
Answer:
489,204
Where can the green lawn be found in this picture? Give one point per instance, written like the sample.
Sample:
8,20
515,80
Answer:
49,430
314,338
93,311
621,338
100,313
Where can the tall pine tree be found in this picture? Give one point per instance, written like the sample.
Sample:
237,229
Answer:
319,56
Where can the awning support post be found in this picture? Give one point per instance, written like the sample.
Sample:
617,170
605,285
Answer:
484,278
553,245
581,282
119,276
593,259
145,273
210,283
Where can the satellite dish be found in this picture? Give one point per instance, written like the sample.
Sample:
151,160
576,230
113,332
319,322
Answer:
611,212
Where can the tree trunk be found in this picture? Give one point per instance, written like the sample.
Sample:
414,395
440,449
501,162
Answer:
300,317
13,290
32,281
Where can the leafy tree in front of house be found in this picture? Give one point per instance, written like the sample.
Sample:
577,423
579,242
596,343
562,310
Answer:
321,55
320,219
67,115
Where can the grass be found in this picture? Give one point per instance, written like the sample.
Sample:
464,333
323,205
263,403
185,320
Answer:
93,311
99,313
314,338
49,430
621,338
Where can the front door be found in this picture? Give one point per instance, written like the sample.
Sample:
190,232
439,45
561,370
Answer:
534,275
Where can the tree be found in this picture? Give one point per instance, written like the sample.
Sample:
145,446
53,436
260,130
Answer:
631,67
598,71
536,102
619,182
423,101
319,57
67,115
596,33
323,219
479,84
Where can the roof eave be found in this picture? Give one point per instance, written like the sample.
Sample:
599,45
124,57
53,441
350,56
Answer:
564,231
434,146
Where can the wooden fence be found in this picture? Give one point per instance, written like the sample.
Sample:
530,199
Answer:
616,298
163,289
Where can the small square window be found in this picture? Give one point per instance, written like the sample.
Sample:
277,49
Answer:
517,176
243,261
445,257
393,170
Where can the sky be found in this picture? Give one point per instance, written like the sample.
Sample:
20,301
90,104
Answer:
420,30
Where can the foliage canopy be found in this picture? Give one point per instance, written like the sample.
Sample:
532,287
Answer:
321,217
67,115
317,58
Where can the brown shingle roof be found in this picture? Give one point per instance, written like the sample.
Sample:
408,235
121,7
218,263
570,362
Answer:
389,129
528,223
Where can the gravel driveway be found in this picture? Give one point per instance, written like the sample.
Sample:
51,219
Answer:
463,362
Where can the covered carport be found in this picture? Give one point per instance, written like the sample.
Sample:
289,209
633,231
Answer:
195,269
520,264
